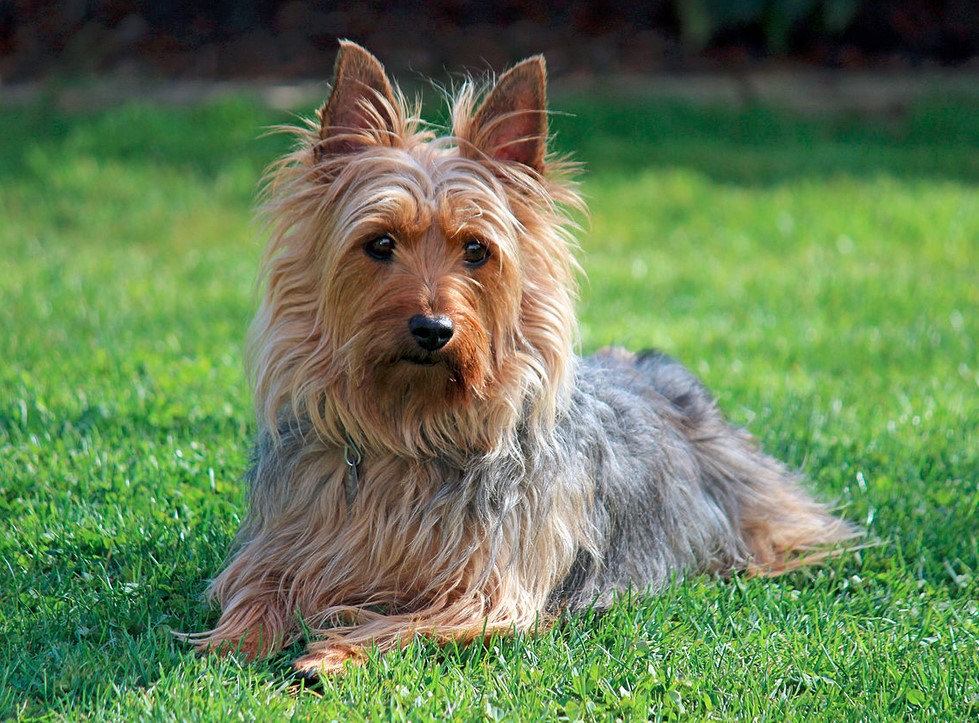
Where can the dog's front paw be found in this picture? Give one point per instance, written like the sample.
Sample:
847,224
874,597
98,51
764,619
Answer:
249,636
329,659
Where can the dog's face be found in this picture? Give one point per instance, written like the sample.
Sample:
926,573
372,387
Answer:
422,277
433,274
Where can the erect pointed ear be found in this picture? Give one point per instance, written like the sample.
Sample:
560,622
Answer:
511,124
361,110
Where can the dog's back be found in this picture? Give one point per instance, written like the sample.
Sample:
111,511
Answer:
676,487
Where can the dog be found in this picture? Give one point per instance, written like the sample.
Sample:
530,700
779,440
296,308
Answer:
432,458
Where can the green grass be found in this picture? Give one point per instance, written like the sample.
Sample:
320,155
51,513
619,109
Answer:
822,276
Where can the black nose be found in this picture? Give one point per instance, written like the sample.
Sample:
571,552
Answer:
431,332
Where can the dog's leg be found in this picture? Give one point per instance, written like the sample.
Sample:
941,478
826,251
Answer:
254,632
330,652
329,656
463,615
256,620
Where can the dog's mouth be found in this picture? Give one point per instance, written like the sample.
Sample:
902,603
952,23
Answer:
422,360
419,369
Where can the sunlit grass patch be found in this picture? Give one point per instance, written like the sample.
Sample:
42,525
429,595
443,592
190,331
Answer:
819,274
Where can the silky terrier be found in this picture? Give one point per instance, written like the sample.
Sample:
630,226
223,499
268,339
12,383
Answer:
433,459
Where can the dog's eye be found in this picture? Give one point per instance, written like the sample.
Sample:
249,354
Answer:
381,248
475,253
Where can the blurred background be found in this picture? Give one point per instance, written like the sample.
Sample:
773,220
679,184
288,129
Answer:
290,40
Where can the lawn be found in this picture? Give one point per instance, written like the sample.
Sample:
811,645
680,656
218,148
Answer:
822,275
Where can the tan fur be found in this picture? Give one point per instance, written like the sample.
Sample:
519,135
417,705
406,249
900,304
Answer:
431,194
467,516
314,349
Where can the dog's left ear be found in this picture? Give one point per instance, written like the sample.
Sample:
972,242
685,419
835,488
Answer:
511,124
362,110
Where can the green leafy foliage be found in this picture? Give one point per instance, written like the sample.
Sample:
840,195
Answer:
819,274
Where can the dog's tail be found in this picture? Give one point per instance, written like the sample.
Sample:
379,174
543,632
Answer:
781,525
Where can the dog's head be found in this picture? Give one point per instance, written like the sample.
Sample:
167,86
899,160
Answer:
419,288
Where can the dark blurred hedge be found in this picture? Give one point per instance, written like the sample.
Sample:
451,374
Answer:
297,38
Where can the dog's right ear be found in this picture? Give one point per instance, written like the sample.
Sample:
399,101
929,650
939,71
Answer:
361,110
511,124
